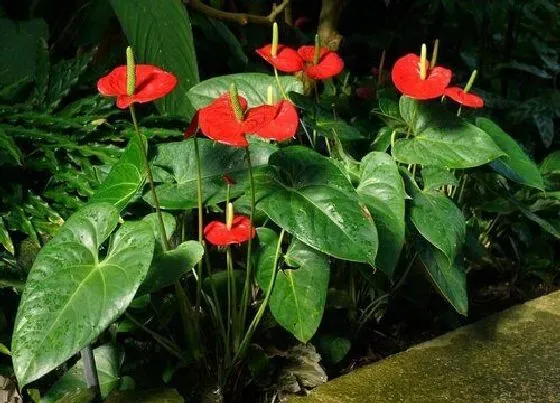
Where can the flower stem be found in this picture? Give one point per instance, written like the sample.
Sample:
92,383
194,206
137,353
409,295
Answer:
246,288
256,320
232,299
200,228
280,87
164,240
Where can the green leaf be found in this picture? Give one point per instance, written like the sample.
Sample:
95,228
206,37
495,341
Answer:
5,239
63,76
457,145
381,189
545,126
4,349
71,295
160,33
551,164
125,179
175,169
73,382
438,220
383,139
436,177
334,128
449,279
8,145
333,349
516,165
298,298
268,241
309,196
19,42
252,86
168,268
42,73
169,224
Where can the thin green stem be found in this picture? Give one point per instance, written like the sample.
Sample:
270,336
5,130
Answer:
232,300
200,229
247,286
164,239
256,320
280,87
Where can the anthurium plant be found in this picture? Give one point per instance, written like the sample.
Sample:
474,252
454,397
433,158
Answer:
269,205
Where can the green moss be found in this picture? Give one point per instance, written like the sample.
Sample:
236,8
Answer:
509,357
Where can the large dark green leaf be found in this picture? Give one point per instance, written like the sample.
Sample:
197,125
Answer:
437,219
551,164
8,145
160,33
71,295
298,298
461,145
125,179
516,165
252,86
175,169
73,382
381,188
19,45
268,241
440,139
449,279
309,196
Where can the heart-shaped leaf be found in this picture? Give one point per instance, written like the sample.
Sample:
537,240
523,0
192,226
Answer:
381,189
449,279
436,177
516,165
251,86
441,139
175,169
298,298
125,178
71,295
309,196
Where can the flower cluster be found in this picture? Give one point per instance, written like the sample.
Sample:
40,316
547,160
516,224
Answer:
418,79
314,61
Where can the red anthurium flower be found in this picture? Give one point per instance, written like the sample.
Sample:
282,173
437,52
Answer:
217,233
464,98
329,64
286,59
284,124
219,122
151,83
407,79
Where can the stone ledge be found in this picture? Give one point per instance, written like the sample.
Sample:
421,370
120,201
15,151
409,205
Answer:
512,356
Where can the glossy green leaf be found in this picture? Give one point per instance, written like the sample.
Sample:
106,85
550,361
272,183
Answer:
334,128
175,171
168,268
252,86
438,220
125,179
516,165
551,164
73,382
160,33
298,298
71,295
8,145
381,189
311,198
449,279
169,224
19,43
5,239
436,177
383,139
4,350
460,145
267,241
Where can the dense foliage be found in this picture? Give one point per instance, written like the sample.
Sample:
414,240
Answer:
265,215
